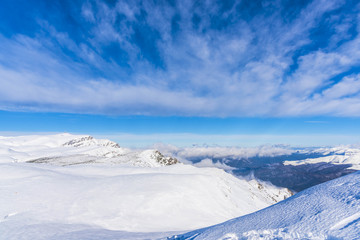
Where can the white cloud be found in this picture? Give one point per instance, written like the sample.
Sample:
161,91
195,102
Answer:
209,163
240,71
345,88
234,152
314,72
87,12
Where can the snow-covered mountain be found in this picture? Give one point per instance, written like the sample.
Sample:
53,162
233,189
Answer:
327,211
66,186
68,149
90,141
337,155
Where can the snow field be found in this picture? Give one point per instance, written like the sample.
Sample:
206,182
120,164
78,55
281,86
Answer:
134,199
69,186
326,211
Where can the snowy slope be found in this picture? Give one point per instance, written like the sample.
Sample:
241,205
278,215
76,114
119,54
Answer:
327,211
177,197
50,186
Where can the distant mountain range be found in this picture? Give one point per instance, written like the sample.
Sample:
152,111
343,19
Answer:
293,168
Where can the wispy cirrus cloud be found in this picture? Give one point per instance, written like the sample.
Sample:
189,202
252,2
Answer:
188,58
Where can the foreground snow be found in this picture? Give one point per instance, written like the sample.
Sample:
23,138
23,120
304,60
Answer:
328,211
93,189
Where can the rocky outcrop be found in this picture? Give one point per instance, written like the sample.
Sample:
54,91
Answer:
164,160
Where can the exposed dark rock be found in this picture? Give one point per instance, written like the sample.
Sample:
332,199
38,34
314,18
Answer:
165,160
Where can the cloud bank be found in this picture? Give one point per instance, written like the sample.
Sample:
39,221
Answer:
185,58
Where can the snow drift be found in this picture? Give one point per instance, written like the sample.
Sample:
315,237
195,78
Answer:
327,211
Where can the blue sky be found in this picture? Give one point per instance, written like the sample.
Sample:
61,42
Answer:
279,68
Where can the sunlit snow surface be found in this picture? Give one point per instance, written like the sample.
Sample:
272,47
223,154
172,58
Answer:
328,211
76,187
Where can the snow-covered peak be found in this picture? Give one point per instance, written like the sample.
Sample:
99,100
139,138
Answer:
90,141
